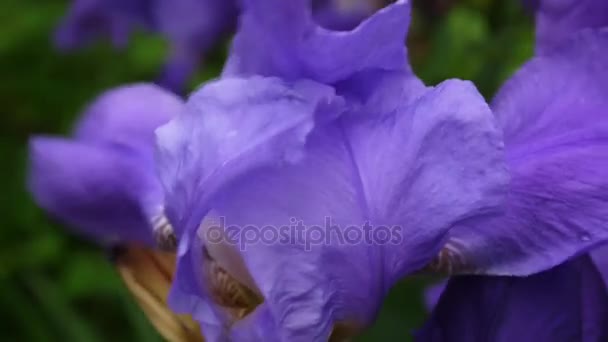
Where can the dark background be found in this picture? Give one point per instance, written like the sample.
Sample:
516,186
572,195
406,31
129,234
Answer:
55,286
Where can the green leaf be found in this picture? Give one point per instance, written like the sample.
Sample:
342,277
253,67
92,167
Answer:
25,321
89,273
59,310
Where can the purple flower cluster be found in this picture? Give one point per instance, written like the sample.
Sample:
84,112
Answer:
317,114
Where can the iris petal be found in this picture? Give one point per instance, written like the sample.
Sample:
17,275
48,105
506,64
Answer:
127,116
553,113
566,303
289,44
94,189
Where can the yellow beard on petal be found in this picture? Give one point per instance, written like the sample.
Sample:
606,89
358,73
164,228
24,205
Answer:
235,298
148,273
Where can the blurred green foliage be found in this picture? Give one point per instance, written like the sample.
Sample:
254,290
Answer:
54,286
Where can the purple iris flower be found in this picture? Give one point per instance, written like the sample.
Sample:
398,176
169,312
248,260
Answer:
553,113
191,26
306,125
556,110
102,180
566,303
556,20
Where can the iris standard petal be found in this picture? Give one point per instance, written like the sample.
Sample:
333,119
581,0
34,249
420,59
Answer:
555,120
566,303
262,154
290,45
92,188
557,20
